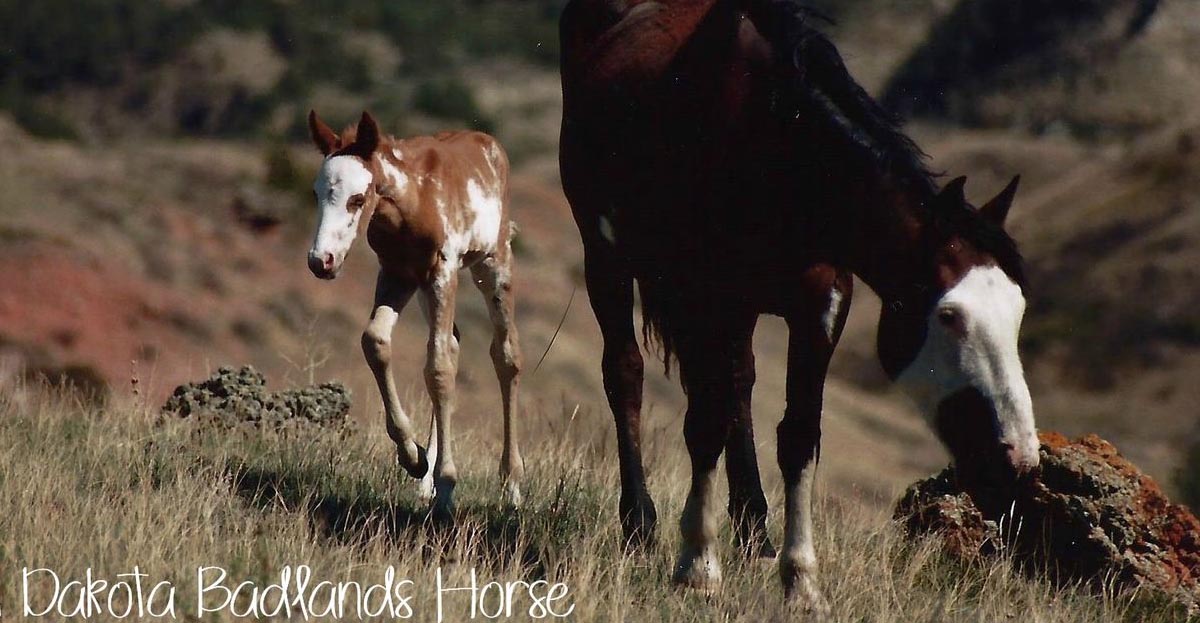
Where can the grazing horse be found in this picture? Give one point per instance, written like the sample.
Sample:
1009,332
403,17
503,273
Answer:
718,154
430,206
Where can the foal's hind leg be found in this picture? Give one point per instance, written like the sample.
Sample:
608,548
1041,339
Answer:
493,276
391,296
814,331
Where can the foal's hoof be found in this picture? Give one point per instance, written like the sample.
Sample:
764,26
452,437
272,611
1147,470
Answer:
417,470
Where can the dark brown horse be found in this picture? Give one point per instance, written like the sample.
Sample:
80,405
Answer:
718,154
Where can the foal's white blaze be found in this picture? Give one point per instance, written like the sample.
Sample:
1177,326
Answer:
982,353
339,179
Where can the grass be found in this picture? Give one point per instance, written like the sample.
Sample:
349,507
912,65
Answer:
111,488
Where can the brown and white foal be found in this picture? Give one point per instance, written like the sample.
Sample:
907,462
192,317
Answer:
430,206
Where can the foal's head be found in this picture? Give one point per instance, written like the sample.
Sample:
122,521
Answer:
344,190
951,338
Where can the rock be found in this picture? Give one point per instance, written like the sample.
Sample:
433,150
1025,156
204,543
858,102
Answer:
1089,516
236,397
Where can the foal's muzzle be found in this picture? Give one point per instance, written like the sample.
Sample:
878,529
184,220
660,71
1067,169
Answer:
323,265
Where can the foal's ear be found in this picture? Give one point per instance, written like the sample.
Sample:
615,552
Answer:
366,139
996,210
323,136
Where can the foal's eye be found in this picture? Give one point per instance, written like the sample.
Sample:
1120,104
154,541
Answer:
356,202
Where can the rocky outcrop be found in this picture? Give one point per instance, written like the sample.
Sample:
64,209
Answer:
239,397
1089,516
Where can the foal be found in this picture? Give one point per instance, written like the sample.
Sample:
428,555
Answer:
430,207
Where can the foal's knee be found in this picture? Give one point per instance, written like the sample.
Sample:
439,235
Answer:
376,345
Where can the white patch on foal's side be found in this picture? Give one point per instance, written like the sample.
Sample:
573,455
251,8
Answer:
340,178
830,318
983,354
483,212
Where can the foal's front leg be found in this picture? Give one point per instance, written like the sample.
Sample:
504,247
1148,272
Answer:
391,295
441,368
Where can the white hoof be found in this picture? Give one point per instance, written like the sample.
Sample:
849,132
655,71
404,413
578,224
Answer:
512,494
802,592
425,491
698,569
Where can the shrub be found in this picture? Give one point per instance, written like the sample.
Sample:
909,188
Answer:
450,98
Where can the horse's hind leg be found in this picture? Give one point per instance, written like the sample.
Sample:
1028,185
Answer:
747,504
717,376
493,276
610,289
391,296
814,331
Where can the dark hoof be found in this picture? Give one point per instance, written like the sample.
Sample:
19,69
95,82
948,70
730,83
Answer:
420,469
756,544
638,524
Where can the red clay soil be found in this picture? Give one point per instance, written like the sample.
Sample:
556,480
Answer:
1090,516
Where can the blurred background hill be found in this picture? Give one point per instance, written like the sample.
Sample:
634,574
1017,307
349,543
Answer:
155,208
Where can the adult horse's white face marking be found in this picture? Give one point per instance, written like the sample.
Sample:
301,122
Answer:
971,346
340,188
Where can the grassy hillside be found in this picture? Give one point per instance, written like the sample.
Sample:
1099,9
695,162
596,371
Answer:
115,488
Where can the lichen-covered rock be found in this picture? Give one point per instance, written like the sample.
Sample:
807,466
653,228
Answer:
236,397
1089,516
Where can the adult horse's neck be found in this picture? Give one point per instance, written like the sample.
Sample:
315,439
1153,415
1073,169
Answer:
891,221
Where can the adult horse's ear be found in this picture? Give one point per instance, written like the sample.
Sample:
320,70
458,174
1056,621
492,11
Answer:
367,136
323,136
996,210
954,192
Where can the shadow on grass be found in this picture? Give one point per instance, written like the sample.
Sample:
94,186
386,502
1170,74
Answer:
357,517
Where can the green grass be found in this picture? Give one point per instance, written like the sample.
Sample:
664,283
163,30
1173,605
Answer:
110,488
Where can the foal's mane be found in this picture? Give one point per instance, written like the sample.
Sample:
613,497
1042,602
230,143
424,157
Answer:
823,85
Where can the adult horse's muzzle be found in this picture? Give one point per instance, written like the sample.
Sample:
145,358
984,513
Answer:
988,448
323,265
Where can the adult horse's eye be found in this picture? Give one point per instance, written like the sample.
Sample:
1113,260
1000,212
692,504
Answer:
356,202
952,319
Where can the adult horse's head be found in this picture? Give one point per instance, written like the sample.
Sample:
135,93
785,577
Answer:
951,338
344,191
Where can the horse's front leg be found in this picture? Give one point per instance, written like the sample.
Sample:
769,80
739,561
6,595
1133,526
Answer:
391,295
441,368
813,333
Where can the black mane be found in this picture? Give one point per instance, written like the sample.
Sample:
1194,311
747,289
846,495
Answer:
825,85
